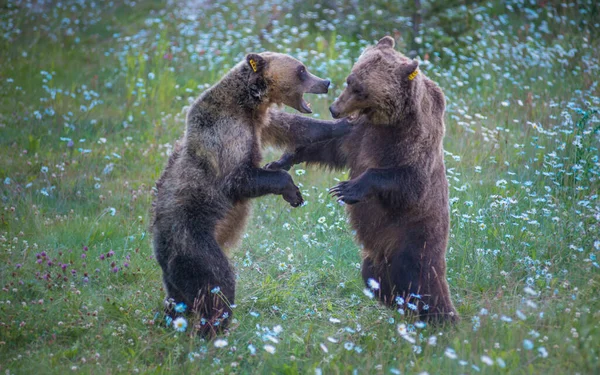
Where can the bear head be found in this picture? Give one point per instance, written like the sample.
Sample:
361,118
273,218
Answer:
280,79
380,86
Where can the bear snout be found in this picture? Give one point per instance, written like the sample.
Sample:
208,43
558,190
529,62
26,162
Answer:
321,86
334,112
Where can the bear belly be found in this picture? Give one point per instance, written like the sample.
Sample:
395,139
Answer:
378,233
229,229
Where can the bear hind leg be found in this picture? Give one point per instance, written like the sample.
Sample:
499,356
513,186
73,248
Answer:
208,292
423,288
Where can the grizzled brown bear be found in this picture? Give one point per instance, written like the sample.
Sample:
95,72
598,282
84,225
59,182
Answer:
397,194
202,199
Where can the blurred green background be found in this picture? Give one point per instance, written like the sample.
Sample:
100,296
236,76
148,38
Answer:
93,96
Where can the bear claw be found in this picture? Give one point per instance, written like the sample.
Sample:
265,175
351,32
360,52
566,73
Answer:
346,192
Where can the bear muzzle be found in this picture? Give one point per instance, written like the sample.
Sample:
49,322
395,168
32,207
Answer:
318,85
335,113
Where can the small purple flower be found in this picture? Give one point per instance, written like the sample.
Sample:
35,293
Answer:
110,253
39,261
49,263
64,266
83,256
73,272
115,270
85,279
85,248
43,253
19,265
70,143
38,255
125,264
97,270
101,256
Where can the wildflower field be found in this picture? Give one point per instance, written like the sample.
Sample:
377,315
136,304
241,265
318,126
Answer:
93,97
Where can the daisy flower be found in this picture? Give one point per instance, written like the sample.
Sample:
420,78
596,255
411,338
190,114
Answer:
373,284
180,324
180,307
220,343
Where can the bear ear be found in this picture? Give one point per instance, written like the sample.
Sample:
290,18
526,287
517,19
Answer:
409,70
386,41
256,62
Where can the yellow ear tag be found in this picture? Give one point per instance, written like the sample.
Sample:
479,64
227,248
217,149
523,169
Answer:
412,75
253,65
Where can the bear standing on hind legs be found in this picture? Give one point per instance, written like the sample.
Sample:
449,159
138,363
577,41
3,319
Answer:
202,199
397,194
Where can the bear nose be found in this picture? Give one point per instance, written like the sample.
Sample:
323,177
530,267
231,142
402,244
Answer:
334,113
327,83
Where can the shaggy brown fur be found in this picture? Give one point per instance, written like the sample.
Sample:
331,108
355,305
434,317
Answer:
202,200
398,194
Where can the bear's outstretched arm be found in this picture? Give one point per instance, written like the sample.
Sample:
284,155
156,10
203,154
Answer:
288,131
327,154
257,182
397,187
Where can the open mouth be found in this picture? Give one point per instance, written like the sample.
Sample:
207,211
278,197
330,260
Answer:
305,106
353,116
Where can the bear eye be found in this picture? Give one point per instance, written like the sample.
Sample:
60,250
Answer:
302,73
359,91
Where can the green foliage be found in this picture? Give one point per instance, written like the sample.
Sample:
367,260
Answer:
91,101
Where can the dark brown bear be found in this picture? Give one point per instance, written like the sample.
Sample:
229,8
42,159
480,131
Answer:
202,200
398,194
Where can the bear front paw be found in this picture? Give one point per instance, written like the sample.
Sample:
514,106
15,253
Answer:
293,196
274,166
285,163
348,192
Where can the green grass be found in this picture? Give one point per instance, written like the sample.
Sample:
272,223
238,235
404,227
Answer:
522,156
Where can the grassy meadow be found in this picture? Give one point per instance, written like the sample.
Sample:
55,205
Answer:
93,96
